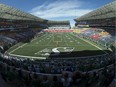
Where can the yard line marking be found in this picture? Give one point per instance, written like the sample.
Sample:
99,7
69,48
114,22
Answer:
59,35
24,44
45,38
28,56
91,44
65,40
46,44
39,37
62,45
51,39
72,38
18,48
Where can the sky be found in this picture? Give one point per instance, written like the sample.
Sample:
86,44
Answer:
58,10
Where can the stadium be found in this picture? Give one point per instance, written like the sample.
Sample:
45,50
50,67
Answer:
38,52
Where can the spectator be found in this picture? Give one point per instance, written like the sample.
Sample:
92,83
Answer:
66,80
45,82
55,82
36,82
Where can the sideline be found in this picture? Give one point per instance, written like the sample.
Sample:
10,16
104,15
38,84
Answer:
91,44
27,56
24,45
17,48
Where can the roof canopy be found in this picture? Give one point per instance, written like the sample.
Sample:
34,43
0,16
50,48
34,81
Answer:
107,11
8,12
11,13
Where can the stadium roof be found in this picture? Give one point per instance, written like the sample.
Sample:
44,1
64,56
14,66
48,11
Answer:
8,12
106,11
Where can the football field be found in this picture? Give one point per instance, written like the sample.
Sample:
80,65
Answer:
57,45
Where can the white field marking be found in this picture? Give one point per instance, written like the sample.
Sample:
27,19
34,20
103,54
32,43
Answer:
67,38
39,37
65,41
34,39
72,38
23,45
50,40
92,44
59,40
61,37
55,50
46,57
36,42
43,37
51,45
47,37
27,56
42,45
40,51
46,45
18,48
77,42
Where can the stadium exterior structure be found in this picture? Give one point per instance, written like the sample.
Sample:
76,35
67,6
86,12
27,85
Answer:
23,26
14,18
103,17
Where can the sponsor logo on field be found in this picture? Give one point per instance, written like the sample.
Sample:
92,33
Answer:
55,51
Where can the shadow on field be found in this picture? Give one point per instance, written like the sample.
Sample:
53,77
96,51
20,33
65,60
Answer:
78,53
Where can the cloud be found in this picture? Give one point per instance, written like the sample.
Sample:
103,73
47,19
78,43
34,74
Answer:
60,8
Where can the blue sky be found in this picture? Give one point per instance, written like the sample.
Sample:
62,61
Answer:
57,9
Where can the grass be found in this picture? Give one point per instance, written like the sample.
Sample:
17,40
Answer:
64,42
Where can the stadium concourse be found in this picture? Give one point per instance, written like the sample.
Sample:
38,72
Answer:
36,52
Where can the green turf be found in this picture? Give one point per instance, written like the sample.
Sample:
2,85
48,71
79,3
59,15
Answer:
49,41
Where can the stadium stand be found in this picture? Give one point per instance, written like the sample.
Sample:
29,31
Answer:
103,18
96,71
59,25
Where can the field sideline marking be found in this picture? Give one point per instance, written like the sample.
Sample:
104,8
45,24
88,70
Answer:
58,34
91,44
24,45
28,56
46,44
72,39
17,48
39,37
51,45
